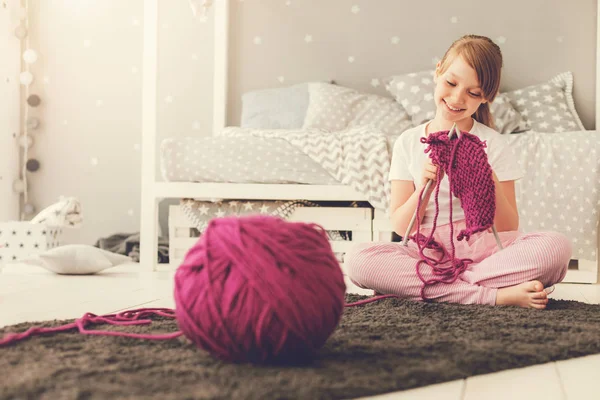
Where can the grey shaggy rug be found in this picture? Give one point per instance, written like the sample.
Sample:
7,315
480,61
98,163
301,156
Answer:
380,347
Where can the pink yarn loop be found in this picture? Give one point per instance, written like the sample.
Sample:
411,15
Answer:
124,318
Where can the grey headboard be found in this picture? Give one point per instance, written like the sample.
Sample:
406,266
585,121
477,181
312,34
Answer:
539,39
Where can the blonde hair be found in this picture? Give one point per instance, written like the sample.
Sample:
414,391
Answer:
485,57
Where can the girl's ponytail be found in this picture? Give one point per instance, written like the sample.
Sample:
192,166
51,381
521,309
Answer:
484,116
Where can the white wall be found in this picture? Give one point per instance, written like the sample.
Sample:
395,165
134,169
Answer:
89,79
9,104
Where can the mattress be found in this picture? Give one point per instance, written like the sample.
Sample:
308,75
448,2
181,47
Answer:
239,160
559,191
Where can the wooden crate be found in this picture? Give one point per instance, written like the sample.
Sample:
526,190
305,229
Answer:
357,220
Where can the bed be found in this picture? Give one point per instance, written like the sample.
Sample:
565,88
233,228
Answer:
357,158
557,193
318,151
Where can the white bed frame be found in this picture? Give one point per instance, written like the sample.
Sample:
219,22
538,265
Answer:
153,191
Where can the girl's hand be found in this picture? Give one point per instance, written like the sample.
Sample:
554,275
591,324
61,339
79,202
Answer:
429,172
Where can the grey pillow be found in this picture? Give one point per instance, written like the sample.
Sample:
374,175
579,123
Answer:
415,92
506,118
334,108
277,108
549,106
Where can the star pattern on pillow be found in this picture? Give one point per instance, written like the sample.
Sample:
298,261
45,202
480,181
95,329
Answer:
335,108
414,91
548,107
559,190
506,118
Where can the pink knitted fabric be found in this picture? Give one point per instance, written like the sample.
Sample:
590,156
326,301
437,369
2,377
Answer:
471,174
464,160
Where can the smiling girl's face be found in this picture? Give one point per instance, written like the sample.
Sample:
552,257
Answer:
458,92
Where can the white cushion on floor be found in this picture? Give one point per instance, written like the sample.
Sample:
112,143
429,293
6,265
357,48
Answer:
76,259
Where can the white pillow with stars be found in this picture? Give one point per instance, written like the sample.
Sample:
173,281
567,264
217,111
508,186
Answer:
414,91
335,108
548,107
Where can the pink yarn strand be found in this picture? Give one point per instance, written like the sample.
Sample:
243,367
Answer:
129,318
125,318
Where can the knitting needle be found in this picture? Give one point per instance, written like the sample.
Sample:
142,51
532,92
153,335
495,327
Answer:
498,242
453,130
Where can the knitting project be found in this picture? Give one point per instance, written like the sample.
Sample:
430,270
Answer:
464,160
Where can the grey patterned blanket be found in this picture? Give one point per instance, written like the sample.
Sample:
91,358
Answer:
357,156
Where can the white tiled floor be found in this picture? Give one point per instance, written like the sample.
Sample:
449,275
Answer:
33,294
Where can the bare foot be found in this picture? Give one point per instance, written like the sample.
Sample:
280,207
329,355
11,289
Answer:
529,294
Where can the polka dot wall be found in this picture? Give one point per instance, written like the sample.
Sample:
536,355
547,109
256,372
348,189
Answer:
358,43
89,79
88,74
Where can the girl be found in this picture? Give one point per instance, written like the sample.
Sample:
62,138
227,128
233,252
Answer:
467,79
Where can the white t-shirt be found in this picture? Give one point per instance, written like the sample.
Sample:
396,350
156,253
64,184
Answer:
409,157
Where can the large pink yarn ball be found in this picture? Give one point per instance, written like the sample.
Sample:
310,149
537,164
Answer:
260,289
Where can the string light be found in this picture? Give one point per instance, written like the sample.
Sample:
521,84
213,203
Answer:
28,123
199,8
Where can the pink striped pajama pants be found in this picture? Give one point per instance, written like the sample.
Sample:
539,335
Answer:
390,268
